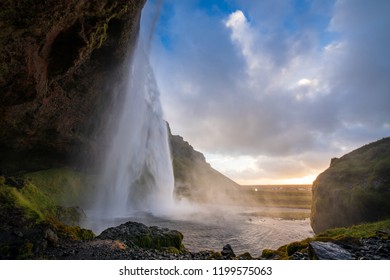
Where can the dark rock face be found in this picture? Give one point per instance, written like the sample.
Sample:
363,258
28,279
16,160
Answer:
376,247
227,252
59,60
137,234
354,189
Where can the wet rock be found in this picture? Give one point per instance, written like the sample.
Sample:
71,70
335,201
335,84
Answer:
51,237
299,256
245,256
328,251
70,215
140,235
227,252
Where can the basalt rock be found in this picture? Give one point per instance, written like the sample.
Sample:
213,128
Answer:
328,251
142,236
59,60
227,252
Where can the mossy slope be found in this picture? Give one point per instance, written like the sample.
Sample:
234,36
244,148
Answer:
354,189
30,220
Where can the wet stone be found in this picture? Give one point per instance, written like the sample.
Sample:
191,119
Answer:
328,251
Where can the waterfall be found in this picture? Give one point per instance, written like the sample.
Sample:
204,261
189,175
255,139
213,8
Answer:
137,171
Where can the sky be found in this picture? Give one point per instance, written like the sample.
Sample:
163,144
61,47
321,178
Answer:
269,91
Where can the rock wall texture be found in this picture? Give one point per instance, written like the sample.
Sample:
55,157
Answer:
62,69
354,189
58,61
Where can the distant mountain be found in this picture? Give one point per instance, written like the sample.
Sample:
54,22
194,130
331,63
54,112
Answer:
354,189
195,179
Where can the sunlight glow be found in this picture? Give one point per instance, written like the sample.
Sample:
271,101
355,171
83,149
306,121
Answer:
245,170
306,180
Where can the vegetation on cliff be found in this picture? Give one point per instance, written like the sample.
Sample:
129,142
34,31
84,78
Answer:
354,189
32,221
352,238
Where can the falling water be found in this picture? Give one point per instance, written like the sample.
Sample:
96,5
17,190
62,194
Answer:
138,173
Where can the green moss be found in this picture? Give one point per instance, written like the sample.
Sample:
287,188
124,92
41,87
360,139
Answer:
171,250
38,199
358,231
354,189
69,232
103,35
147,241
245,256
216,256
268,254
348,235
99,35
295,247
65,186
34,205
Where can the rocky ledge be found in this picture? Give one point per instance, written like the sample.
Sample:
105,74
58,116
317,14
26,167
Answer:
369,241
373,248
132,240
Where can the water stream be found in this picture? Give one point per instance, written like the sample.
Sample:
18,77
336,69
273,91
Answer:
137,173
137,182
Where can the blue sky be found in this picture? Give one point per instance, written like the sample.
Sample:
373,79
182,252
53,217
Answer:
271,90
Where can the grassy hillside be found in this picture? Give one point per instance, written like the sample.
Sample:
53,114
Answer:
354,189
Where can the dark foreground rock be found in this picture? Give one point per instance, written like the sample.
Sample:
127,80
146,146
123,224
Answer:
116,250
373,248
227,252
50,241
328,251
362,242
368,249
139,235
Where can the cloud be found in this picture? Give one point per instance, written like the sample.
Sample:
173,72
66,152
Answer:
274,81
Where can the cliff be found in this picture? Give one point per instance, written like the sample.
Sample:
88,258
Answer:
59,60
354,189
62,67
195,179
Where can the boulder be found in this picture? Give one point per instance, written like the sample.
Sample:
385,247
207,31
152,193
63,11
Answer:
227,252
140,235
328,251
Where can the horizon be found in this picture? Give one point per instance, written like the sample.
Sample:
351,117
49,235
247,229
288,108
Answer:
270,91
